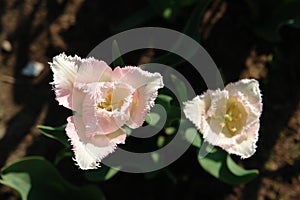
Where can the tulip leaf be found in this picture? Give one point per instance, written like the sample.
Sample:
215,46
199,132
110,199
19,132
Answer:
116,55
65,152
137,18
164,100
36,178
192,25
161,141
193,136
103,173
152,118
238,171
220,165
57,133
191,30
180,88
168,9
282,13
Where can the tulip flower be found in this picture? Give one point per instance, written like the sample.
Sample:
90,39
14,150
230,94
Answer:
229,118
103,101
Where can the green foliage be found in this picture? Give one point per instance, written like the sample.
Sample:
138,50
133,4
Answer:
193,137
190,29
217,162
153,118
180,88
35,178
166,9
136,19
273,15
63,153
104,173
116,55
220,165
172,110
57,133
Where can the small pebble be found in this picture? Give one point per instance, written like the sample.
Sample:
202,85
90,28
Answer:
6,46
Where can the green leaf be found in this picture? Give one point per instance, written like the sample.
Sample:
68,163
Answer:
168,9
220,165
66,152
170,130
116,55
104,173
173,112
57,133
193,136
140,17
128,130
160,142
191,29
282,13
180,88
19,181
152,118
36,178
164,100
240,172
155,157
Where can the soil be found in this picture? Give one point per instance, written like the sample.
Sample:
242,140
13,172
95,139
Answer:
41,29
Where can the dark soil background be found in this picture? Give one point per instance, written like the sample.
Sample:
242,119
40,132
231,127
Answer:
41,29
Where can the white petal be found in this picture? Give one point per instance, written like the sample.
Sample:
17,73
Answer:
250,88
216,113
67,70
101,121
195,110
64,73
244,145
93,70
90,151
146,85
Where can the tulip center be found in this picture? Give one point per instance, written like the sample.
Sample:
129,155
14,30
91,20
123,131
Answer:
235,117
108,104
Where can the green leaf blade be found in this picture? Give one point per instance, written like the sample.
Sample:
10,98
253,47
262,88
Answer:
116,55
57,133
36,178
220,165
104,173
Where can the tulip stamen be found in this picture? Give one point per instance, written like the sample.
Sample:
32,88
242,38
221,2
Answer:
108,105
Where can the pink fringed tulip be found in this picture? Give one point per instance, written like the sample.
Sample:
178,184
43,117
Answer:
229,118
103,101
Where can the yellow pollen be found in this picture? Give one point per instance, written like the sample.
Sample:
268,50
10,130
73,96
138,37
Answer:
107,103
233,129
222,124
238,117
228,117
235,117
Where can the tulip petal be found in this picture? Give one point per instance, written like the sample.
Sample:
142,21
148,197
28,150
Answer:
67,70
99,120
64,73
216,113
195,111
146,85
92,70
244,145
250,89
90,151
